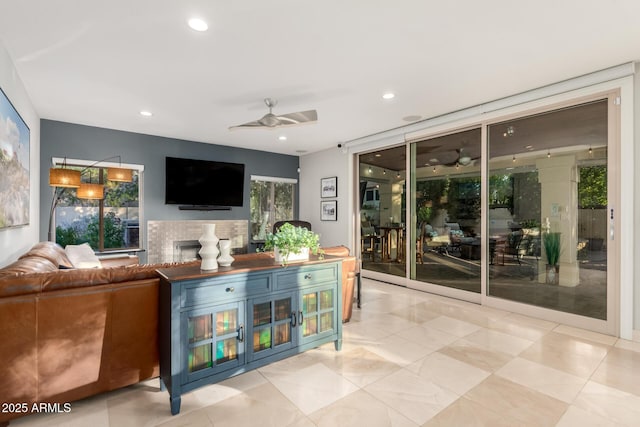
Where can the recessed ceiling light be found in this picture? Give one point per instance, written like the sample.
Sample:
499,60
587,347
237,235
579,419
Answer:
378,155
146,113
282,138
389,95
198,24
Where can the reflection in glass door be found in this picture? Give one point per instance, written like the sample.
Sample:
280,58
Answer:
547,218
445,199
383,210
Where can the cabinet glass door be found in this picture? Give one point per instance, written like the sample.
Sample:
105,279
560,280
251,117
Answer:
318,313
271,320
214,339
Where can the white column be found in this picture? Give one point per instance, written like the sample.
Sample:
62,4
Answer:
558,177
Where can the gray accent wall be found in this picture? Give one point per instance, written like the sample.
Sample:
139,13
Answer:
59,139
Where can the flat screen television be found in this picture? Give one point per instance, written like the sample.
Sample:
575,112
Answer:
203,183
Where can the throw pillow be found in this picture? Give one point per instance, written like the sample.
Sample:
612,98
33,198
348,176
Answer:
82,256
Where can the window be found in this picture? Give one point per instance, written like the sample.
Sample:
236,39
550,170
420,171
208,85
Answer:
107,224
272,199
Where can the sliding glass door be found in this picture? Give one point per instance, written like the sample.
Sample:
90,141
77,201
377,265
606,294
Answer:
527,228
547,210
445,200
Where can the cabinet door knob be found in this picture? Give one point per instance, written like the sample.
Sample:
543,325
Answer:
241,333
231,289
307,276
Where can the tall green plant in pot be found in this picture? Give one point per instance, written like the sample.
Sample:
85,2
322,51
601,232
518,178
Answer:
552,249
292,243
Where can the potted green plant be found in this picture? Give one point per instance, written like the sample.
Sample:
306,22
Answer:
291,243
551,242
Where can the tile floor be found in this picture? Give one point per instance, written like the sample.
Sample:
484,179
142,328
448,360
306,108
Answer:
408,359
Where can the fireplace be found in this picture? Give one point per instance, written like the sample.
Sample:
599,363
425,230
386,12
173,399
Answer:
176,241
185,250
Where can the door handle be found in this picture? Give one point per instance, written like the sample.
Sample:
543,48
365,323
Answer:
241,333
293,319
300,318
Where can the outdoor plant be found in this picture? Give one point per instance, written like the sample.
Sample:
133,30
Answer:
551,241
291,240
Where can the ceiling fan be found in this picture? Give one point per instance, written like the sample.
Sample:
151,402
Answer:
464,159
270,120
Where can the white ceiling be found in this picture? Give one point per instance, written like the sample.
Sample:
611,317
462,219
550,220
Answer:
100,62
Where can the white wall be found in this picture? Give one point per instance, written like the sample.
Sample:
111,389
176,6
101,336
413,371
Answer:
16,241
314,167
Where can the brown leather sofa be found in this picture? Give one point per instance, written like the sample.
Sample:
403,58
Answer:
67,334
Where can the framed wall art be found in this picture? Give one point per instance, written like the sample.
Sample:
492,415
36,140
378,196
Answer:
329,187
14,166
329,210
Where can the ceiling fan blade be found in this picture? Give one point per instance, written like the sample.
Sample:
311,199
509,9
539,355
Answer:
298,117
253,124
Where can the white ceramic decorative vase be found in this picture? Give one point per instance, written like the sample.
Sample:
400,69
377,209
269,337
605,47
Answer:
209,250
225,259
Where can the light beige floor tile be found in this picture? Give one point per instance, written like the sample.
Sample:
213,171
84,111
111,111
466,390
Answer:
550,381
414,397
498,341
479,357
431,338
621,370
361,366
145,408
357,410
533,322
449,373
576,356
464,412
399,350
610,403
215,393
513,325
389,323
262,406
417,313
311,388
579,417
452,326
197,418
363,331
628,345
588,335
515,401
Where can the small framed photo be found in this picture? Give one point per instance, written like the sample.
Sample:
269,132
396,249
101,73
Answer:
329,210
329,187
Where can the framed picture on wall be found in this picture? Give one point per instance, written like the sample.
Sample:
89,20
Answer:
14,173
329,187
329,210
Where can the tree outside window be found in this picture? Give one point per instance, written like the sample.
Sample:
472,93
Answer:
271,200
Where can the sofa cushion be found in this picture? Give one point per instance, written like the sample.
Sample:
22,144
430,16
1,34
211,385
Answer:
82,256
51,251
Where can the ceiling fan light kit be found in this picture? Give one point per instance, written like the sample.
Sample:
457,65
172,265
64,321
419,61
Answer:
271,120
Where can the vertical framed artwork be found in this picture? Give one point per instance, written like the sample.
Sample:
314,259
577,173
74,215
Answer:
329,210
14,166
329,187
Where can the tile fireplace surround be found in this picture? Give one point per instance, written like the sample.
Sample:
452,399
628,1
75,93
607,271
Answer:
171,241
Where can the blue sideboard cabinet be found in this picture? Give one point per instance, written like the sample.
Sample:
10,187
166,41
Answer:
217,324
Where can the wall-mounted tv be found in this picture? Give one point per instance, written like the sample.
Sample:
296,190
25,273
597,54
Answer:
203,183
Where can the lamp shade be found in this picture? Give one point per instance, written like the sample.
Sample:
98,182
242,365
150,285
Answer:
62,177
90,191
119,174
